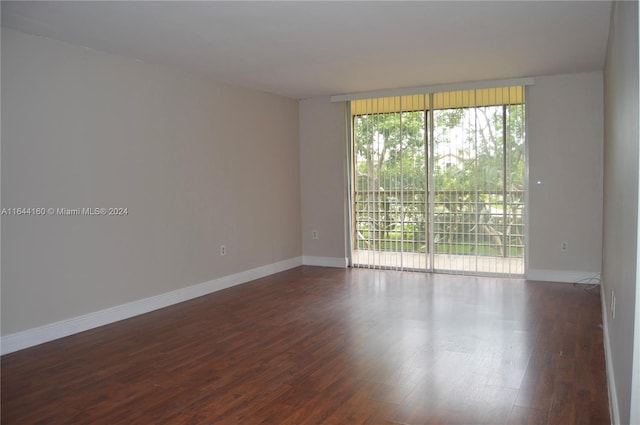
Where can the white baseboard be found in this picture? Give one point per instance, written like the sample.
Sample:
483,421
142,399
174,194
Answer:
563,276
29,338
325,261
614,410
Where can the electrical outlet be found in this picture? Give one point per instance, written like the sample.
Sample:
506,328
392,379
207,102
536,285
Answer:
314,234
223,250
612,306
564,246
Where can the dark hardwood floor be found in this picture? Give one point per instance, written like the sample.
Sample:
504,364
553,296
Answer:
329,346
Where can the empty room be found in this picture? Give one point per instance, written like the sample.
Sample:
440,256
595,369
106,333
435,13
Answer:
367,212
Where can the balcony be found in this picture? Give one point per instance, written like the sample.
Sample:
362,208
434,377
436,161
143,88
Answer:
473,231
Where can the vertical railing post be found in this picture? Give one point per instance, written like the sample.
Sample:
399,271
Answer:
504,181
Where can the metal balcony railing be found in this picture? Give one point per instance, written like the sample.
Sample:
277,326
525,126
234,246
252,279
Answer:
481,222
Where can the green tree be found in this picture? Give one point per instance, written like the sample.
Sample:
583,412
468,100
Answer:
470,181
384,143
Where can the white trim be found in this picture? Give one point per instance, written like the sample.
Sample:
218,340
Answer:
325,261
434,89
20,340
614,409
563,276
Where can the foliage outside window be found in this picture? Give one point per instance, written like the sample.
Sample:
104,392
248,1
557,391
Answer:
467,165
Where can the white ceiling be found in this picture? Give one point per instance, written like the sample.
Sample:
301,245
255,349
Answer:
308,49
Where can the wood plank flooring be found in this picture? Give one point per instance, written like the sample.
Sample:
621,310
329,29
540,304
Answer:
329,346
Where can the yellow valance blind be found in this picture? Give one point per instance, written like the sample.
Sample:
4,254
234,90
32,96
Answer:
443,100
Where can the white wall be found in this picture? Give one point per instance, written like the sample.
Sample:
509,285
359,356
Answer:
565,154
196,163
322,180
621,206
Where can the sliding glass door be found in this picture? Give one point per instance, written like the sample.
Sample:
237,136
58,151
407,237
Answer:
438,181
